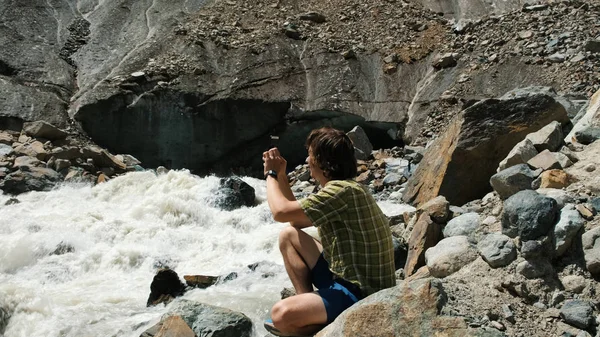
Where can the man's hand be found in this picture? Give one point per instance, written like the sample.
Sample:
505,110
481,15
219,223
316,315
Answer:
272,160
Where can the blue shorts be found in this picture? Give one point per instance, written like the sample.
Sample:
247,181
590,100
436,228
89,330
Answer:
337,294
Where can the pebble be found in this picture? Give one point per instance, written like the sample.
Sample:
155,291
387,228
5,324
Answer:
507,313
497,325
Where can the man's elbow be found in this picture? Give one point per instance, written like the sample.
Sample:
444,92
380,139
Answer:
280,216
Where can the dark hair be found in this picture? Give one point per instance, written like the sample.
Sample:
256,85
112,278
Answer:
334,153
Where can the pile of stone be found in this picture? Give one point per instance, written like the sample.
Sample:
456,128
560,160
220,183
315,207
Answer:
561,35
340,26
40,156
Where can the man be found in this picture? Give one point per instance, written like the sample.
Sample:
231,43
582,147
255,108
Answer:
355,257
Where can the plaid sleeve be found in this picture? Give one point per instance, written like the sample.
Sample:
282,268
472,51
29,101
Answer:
325,205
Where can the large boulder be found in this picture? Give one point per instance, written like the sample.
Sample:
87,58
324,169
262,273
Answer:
464,224
362,145
165,286
234,193
520,154
30,178
188,318
424,235
449,255
41,129
498,250
586,170
550,137
590,119
476,140
578,313
410,309
569,223
591,249
512,180
528,215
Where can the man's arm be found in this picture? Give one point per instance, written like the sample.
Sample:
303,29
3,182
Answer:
281,199
283,204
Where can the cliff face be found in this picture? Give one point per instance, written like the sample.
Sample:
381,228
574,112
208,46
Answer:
203,85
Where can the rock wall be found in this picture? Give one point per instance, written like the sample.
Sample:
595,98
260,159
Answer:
134,74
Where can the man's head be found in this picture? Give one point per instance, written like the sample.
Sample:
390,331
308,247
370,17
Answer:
332,152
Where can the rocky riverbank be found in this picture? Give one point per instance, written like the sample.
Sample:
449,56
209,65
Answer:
39,156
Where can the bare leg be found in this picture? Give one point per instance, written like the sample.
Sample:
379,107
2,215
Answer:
300,253
303,314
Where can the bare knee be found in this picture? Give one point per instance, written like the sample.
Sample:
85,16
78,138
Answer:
287,236
280,314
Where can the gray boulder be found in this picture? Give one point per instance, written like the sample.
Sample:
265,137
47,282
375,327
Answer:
393,179
512,180
520,154
449,256
212,321
578,313
534,268
41,129
498,250
588,117
550,137
5,150
528,214
571,106
445,61
31,179
532,249
563,159
362,145
545,160
561,196
473,145
464,224
234,193
595,203
591,250
587,135
569,223
592,46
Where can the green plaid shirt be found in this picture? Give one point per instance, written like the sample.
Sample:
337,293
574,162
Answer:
355,234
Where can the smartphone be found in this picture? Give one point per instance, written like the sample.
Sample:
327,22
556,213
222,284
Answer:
274,141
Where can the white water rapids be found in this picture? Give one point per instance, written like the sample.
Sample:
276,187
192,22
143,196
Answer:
120,232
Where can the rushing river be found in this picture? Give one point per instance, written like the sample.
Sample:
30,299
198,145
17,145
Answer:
114,236
120,233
